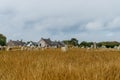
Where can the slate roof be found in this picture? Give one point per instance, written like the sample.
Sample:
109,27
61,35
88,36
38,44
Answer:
47,41
15,43
31,43
53,43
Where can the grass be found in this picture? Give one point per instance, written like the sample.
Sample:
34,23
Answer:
52,64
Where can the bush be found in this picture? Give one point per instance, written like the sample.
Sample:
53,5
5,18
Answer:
2,40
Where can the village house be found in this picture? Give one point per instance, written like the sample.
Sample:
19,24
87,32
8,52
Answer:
31,43
15,43
47,43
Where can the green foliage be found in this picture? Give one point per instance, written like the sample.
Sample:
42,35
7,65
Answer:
2,40
72,42
108,44
86,44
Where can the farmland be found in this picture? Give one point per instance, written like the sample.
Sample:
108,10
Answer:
53,64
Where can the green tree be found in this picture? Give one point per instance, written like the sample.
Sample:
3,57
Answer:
2,40
86,44
74,42
67,42
109,44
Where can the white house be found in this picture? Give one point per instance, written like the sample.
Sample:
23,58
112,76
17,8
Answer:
31,43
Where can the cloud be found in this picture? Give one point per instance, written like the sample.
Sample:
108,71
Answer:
95,25
60,19
115,23
109,34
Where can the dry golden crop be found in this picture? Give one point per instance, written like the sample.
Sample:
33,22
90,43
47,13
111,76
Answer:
53,64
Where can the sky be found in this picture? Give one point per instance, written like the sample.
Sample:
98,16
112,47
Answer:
86,20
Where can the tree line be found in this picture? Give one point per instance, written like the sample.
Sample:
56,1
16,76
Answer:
107,44
73,42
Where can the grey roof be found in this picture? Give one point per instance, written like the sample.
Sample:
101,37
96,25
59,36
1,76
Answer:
58,43
32,43
15,43
53,43
48,41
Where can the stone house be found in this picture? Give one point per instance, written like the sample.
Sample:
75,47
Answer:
47,43
15,43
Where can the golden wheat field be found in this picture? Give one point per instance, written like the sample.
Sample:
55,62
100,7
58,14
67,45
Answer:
52,64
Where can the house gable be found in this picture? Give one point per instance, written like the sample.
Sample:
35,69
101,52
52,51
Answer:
48,43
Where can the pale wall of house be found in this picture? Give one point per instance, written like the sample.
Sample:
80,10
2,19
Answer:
42,44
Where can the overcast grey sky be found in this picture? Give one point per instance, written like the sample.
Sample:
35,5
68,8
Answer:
89,20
